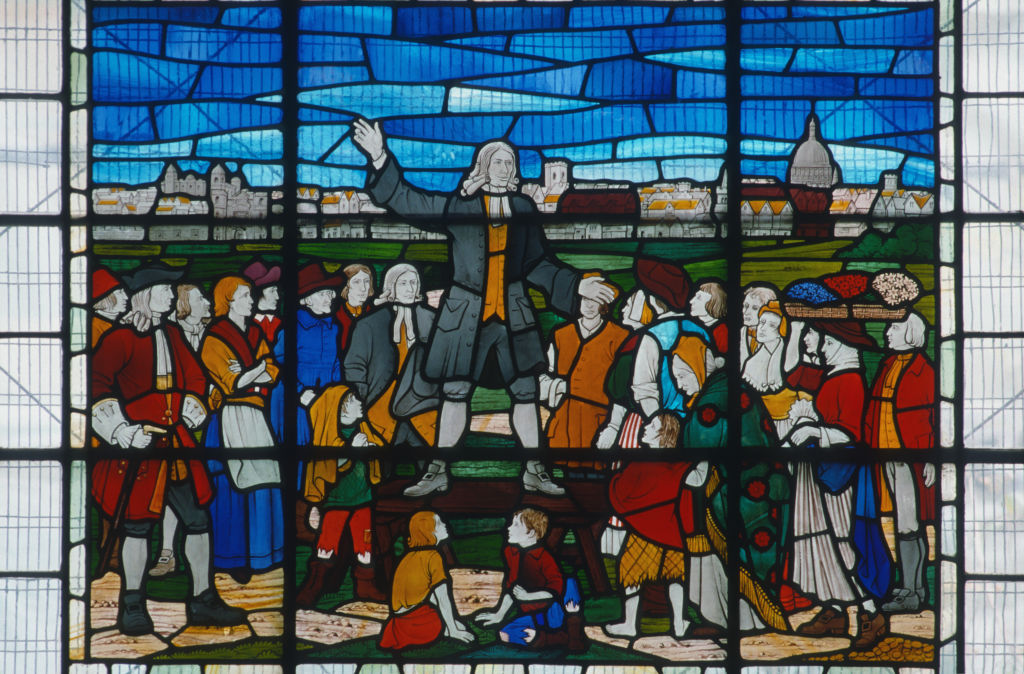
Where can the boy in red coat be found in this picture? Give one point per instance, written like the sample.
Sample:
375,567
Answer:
548,601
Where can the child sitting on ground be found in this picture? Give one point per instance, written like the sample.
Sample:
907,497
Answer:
422,607
549,603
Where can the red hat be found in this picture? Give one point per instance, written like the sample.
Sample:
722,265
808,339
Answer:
104,283
260,275
851,333
666,281
312,277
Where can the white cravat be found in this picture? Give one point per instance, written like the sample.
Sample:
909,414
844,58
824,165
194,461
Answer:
498,208
403,316
163,353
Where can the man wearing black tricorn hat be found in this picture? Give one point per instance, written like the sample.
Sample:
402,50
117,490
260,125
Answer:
148,387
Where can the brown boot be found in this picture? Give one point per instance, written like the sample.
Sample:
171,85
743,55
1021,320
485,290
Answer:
366,584
577,636
828,622
313,587
872,629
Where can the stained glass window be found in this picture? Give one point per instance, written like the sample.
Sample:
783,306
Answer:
539,338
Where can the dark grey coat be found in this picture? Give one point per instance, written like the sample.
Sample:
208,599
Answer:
371,362
527,262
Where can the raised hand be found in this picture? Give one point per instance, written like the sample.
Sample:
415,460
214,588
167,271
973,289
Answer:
368,138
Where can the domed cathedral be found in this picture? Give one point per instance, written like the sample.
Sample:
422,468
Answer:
812,174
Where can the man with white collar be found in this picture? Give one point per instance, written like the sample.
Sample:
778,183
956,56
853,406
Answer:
496,250
148,388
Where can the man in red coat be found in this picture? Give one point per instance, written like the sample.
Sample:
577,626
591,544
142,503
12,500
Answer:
147,385
901,415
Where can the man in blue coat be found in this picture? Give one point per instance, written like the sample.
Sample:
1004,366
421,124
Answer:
496,249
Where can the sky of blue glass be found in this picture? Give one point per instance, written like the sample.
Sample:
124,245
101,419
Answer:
628,93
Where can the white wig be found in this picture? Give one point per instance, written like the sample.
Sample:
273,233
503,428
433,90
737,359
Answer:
387,294
916,330
479,177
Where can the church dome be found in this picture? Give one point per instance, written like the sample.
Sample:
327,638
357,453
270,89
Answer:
812,165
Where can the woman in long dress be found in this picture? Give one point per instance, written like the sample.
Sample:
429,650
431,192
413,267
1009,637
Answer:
241,367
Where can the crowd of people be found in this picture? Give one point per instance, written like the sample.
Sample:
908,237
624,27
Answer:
377,366
173,368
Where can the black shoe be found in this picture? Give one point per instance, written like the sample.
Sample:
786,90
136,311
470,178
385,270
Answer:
209,609
241,575
132,617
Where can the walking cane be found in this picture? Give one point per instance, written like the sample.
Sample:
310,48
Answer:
131,473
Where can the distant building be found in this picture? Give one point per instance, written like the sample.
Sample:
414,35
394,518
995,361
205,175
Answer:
121,201
896,202
765,208
231,200
588,230
308,198
402,231
190,184
181,206
722,195
674,201
850,229
852,200
812,164
307,193
556,182
348,202
343,230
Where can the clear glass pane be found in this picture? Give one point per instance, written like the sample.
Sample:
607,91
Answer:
993,155
994,393
30,144
30,516
30,279
31,615
993,277
30,46
994,626
30,385
993,50
994,519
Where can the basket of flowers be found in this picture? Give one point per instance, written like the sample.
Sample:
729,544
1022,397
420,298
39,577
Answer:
884,296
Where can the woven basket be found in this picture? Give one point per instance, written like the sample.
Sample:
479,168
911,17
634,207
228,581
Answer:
799,310
877,312
842,312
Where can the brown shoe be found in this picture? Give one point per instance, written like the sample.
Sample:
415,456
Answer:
872,629
165,564
366,584
828,622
